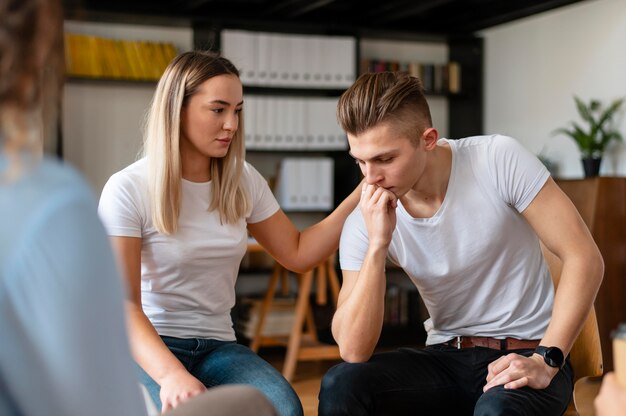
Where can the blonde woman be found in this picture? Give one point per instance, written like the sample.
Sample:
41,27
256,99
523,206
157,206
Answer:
179,219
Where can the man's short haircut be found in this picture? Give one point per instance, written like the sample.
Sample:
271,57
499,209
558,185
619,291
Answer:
385,96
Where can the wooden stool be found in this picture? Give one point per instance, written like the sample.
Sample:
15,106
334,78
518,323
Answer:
302,345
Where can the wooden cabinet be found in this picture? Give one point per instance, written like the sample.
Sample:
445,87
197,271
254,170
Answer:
601,202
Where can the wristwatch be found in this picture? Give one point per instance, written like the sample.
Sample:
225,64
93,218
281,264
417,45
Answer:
553,356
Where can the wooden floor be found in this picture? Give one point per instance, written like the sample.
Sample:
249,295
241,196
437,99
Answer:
307,379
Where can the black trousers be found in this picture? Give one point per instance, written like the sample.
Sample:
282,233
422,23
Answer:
438,380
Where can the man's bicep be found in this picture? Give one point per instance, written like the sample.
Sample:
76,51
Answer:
556,220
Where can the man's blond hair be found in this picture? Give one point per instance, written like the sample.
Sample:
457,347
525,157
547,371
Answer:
379,97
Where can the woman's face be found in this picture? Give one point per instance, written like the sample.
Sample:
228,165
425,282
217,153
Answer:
210,118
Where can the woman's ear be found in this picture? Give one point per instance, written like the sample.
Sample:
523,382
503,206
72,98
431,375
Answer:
430,137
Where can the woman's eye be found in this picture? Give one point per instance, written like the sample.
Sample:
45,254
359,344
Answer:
238,110
217,110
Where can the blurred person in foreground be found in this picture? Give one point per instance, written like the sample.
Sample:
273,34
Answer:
64,348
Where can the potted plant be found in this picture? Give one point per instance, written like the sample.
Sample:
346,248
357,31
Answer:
592,141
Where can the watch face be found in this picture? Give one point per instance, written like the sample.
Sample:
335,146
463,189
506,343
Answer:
554,357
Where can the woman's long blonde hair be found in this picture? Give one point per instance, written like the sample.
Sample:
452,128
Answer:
179,83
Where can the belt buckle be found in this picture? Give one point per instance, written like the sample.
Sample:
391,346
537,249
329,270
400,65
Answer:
458,342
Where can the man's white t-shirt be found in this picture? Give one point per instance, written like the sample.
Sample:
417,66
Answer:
187,279
477,263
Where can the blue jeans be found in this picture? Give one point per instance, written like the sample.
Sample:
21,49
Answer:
215,363
436,380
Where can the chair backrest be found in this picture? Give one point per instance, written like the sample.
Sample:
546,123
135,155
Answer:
586,353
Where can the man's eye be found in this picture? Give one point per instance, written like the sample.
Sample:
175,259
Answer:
238,110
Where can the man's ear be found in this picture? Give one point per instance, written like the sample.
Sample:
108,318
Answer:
430,137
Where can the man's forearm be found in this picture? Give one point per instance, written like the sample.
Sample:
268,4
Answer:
579,283
359,318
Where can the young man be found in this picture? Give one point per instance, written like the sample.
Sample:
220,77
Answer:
464,219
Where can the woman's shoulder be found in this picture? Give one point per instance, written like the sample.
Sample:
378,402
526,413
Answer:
136,171
133,177
249,169
250,175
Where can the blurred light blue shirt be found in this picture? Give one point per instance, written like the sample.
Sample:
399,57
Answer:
63,343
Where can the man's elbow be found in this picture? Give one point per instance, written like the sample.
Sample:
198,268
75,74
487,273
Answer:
354,355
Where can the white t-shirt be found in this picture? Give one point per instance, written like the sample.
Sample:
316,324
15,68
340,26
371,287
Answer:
477,263
187,279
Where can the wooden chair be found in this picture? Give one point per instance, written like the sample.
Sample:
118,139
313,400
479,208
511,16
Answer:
586,353
302,344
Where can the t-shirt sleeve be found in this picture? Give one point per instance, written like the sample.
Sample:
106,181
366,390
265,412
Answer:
120,208
264,204
354,242
518,174
67,318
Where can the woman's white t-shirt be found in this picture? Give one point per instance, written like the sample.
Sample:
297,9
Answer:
477,262
187,279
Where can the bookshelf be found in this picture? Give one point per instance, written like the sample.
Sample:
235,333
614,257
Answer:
102,119
292,82
457,110
96,57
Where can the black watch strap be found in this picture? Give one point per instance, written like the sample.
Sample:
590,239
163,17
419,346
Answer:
553,356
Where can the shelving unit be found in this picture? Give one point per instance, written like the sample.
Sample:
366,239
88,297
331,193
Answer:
292,95
456,115
101,117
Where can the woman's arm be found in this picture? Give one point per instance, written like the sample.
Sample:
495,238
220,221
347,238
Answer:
148,349
300,251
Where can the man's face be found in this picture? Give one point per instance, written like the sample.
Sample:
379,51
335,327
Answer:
388,158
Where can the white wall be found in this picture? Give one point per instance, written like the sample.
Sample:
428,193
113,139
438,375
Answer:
534,66
102,121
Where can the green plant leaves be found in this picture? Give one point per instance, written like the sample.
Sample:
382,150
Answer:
593,140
